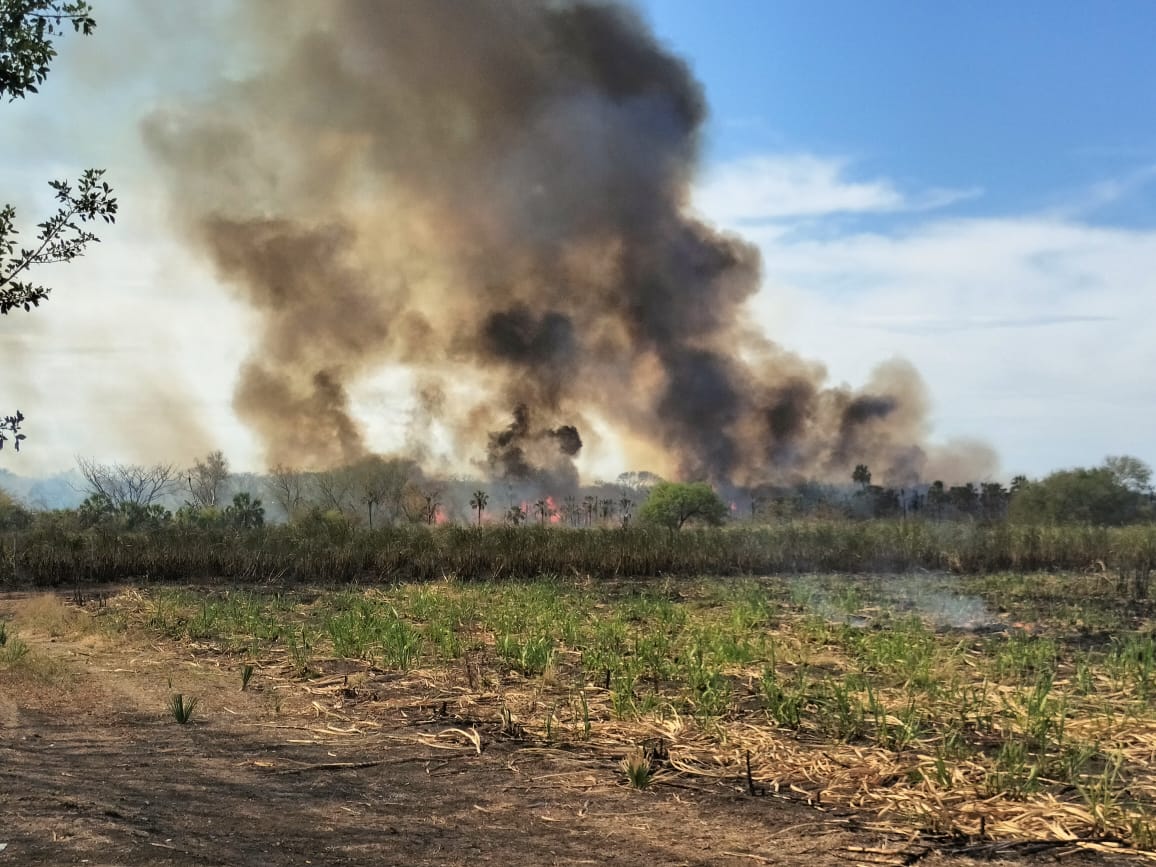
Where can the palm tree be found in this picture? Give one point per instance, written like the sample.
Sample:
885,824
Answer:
625,503
543,510
432,505
479,501
516,515
247,513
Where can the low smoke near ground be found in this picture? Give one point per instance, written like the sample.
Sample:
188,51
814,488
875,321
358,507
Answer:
934,598
496,198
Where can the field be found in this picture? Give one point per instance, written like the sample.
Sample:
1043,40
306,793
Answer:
886,718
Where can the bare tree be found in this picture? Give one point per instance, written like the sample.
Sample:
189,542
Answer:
287,489
421,505
379,484
206,479
334,490
128,483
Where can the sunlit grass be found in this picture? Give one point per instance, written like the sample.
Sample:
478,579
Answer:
1032,704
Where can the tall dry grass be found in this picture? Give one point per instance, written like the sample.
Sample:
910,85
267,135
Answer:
56,557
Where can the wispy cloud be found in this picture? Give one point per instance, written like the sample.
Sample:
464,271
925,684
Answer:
1110,191
790,186
901,324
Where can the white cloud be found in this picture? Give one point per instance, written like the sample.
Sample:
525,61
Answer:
767,188
1033,331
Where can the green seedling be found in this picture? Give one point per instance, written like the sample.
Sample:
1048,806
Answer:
182,708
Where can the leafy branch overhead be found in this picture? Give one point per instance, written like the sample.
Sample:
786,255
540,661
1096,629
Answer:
11,425
28,29
62,237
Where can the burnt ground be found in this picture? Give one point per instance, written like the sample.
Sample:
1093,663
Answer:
95,770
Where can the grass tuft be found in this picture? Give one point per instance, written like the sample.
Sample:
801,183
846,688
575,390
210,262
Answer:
182,708
637,769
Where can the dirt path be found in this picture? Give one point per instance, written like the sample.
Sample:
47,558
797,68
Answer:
93,769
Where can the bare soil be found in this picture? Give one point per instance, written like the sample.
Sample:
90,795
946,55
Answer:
95,770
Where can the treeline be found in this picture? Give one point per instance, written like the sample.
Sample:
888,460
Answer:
379,491
381,520
318,553
1117,493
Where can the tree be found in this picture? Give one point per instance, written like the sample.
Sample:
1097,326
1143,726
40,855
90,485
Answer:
964,498
206,479
1085,496
861,476
96,510
128,484
246,512
672,504
432,499
516,515
937,497
334,490
626,505
478,502
607,509
287,488
27,28
543,510
380,484
414,506
1132,473
994,500
569,511
199,517
27,31
13,515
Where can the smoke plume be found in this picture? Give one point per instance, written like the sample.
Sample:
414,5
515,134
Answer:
497,194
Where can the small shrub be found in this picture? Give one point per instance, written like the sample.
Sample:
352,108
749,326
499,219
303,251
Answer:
636,767
182,708
12,651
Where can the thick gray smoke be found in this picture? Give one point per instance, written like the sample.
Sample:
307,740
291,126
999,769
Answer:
498,192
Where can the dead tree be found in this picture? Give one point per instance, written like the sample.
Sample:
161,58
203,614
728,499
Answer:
124,484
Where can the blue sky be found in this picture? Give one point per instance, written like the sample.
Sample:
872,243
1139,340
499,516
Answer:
1027,100
970,186
967,186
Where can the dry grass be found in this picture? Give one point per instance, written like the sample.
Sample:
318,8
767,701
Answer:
50,555
49,614
837,692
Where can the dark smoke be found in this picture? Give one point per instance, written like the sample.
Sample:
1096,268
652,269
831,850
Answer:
520,453
568,439
496,194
